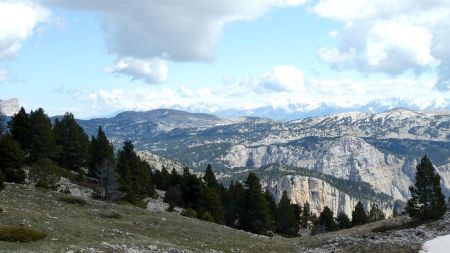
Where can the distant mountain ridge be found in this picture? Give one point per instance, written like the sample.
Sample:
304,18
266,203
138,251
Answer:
379,149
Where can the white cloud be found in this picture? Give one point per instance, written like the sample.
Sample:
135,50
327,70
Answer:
173,30
390,36
18,20
291,93
335,57
283,78
150,71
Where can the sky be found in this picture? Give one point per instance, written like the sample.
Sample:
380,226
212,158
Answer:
95,57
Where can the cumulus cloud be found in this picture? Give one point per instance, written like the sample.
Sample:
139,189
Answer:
172,30
389,37
150,71
18,20
292,93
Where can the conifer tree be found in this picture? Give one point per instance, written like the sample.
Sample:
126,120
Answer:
72,142
287,221
254,210
134,174
306,216
343,221
210,202
272,209
359,215
210,178
43,144
326,220
375,214
427,201
192,189
21,130
231,200
101,150
108,181
11,160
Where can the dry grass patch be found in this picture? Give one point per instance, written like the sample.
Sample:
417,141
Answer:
13,233
73,200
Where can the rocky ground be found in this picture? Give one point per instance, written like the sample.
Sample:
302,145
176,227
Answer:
365,239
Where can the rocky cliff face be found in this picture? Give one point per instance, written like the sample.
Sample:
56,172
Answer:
318,194
9,107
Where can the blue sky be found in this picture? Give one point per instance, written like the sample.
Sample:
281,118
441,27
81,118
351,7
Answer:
95,57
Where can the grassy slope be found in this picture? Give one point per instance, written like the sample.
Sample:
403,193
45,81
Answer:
71,227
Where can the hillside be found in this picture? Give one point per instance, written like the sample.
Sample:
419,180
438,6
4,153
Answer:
75,228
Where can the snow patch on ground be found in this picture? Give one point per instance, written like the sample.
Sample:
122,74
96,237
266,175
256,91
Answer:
439,244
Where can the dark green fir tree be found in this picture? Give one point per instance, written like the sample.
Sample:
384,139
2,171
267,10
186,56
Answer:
427,201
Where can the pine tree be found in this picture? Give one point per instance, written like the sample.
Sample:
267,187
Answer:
427,201
254,210
272,209
326,220
359,215
173,195
108,181
101,150
343,221
306,216
134,174
231,200
73,143
21,130
11,160
375,214
192,189
210,202
43,144
210,178
287,221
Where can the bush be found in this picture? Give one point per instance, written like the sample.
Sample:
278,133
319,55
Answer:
20,234
398,226
110,215
42,183
1,209
73,200
191,213
171,207
47,170
206,216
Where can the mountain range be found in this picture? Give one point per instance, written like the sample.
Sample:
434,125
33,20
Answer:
333,160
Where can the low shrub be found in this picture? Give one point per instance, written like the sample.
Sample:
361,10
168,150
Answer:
14,233
42,183
48,171
206,216
110,215
398,226
191,213
73,200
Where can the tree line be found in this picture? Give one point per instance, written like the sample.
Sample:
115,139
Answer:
33,139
